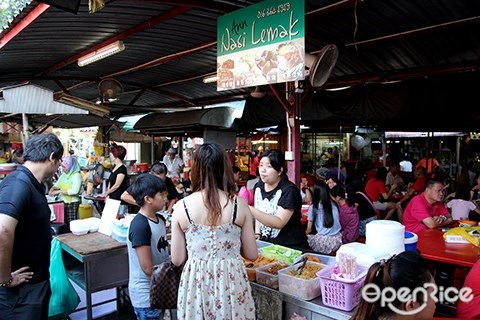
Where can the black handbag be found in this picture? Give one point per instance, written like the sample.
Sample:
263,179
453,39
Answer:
164,285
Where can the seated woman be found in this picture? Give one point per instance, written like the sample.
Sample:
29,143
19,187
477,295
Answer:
349,219
377,192
407,270
461,207
323,214
305,190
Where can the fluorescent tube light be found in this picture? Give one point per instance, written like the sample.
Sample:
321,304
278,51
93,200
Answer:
264,142
101,53
210,78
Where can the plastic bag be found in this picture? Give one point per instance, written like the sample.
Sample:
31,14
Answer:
64,299
471,234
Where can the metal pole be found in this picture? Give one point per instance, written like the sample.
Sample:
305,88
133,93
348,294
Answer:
152,150
25,134
458,156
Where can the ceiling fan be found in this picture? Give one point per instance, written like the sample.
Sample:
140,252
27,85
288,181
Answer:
109,90
320,66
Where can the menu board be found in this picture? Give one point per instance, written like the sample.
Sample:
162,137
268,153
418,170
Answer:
261,44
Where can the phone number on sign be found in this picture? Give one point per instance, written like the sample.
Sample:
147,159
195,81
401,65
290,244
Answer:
267,12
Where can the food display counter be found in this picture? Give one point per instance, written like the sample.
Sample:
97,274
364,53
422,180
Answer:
273,305
104,264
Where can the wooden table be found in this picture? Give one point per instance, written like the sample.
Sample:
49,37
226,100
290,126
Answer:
433,247
104,263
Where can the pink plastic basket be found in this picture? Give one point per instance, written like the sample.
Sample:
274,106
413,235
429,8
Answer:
341,294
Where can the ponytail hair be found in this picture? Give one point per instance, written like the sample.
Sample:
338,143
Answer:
407,269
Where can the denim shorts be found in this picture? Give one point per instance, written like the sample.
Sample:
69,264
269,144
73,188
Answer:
148,313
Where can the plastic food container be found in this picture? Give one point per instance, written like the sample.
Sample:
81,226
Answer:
93,224
262,244
466,223
268,274
341,294
252,266
281,253
316,257
305,289
79,227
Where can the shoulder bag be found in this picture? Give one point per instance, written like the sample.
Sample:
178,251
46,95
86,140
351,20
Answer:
164,285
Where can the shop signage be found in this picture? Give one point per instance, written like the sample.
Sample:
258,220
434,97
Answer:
261,44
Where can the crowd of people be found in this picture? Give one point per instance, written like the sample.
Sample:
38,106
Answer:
213,226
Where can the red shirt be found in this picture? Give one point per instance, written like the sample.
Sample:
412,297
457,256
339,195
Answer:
374,188
254,165
419,184
418,209
471,310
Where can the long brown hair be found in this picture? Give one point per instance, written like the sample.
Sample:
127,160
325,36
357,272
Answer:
212,170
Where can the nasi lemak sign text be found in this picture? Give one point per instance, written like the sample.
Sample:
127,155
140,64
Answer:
261,44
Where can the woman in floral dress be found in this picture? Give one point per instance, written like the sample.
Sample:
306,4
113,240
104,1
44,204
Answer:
211,230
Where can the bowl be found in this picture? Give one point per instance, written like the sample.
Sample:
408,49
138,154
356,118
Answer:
467,223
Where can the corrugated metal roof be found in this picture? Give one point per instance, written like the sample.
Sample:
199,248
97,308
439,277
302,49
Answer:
33,99
171,47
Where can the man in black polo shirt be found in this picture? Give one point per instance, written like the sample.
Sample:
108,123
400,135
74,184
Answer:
25,234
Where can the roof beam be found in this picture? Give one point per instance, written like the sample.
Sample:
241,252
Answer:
174,95
22,25
142,26
409,74
202,4
415,31
153,63
165,59
332,7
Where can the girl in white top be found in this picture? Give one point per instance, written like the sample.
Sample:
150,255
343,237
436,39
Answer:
460,207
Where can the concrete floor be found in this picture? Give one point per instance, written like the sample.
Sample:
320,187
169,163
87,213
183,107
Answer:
107,311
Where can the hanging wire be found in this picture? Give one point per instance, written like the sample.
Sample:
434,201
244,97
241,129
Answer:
356,24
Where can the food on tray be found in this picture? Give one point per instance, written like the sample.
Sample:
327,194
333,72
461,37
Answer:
261,261
467,223
309,271
290,60
251,265
228,64
225,74
281,253
274,267
313,258
268,275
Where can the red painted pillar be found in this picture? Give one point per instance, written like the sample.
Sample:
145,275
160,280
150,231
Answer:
294,165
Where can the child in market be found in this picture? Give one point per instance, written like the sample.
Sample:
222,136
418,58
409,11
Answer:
147,242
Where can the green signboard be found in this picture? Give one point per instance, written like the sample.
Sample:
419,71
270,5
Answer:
261,44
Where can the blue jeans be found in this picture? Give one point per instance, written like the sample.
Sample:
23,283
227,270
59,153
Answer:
148,313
